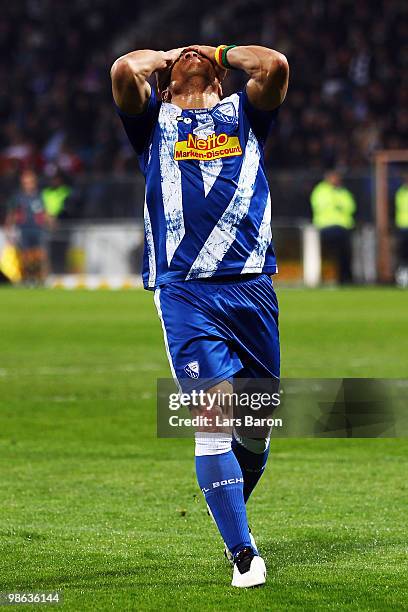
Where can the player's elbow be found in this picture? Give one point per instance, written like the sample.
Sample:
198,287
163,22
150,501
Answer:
279,65
120,71
273,69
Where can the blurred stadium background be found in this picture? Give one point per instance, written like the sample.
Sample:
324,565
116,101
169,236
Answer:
348,101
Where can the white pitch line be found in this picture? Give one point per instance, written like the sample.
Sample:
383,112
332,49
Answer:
68,370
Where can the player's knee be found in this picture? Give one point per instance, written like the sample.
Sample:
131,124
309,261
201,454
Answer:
212,418
215,408
254,445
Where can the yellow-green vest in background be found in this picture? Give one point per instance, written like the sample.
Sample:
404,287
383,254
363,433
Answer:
332,206
401,207
54,199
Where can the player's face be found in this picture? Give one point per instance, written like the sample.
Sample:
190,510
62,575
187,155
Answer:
192,63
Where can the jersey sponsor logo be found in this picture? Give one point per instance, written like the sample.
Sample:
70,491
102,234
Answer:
212,147
186,120
192,369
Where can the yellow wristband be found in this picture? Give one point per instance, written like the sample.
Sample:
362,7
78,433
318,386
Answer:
218,54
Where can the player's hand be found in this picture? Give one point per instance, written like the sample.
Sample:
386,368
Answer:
171,56
163,72
209,53
206,50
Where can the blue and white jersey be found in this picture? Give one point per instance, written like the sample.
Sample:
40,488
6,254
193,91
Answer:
207,207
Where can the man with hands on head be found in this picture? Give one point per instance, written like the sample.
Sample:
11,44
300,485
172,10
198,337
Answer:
208,249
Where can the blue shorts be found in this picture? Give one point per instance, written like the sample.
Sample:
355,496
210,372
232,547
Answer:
214,330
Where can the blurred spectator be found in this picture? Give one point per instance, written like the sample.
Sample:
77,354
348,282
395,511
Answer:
401,223
55,195
28,221
333,209
348,93
60,202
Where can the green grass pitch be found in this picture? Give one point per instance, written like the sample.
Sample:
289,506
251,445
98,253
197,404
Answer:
93,505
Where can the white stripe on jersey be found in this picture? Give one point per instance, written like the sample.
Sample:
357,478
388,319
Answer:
224,233
256,260
166,342
150,246
210,170
170,175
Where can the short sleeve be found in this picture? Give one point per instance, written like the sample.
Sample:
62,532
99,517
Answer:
139,127
261,121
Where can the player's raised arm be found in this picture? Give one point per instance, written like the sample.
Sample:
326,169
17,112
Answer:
130,74
268,72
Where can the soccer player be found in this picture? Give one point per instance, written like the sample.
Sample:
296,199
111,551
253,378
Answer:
208,247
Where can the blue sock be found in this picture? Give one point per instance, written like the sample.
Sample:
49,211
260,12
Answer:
220,479
252,464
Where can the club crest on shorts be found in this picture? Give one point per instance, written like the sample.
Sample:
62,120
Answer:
192,369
